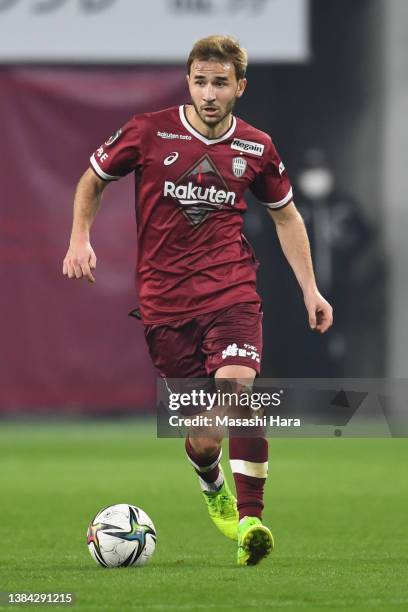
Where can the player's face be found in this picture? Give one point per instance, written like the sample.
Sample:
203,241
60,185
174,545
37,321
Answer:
214,89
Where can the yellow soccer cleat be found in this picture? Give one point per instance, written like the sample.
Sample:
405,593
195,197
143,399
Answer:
255,541
223,511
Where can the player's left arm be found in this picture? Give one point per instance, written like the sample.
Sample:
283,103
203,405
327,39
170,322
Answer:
295,244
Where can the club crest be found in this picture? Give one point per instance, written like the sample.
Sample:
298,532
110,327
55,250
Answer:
239,166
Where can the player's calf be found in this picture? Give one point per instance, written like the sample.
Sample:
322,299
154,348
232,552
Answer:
221,503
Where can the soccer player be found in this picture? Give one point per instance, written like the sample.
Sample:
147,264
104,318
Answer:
196,272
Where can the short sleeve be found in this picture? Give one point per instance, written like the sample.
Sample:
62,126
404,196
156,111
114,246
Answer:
272,185
120,154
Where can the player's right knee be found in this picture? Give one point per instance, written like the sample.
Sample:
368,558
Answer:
206,447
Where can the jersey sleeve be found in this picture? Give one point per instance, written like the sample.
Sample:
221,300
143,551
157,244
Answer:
120,154
272,185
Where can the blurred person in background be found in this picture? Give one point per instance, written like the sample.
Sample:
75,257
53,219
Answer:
345,262
196,272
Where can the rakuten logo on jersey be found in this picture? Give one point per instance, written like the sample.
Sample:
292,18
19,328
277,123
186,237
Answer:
200,191
192,194
248,146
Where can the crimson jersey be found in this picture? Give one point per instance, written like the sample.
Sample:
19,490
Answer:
192,255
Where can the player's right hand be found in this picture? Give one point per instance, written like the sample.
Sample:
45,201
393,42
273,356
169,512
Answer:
79,261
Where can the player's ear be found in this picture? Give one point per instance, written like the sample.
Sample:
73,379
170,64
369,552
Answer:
242,83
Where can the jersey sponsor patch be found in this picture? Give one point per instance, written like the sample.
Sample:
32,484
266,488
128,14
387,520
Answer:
200,190
238,166
114,137
171,136
248,146
233,350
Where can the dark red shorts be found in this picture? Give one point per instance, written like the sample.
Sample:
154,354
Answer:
198,347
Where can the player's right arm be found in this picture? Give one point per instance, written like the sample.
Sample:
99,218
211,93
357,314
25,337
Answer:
80,259
117,157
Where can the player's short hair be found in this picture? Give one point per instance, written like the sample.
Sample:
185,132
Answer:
222,49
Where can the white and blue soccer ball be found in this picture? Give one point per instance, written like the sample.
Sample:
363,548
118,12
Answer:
121,536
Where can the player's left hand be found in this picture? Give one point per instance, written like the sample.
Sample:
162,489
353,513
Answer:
319,311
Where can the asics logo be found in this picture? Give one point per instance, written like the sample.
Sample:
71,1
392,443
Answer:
170,159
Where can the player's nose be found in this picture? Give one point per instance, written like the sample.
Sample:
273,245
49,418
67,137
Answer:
209,94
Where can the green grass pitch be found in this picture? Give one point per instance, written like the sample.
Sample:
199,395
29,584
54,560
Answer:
338,509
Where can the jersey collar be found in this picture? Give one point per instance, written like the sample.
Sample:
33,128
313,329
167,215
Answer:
207,141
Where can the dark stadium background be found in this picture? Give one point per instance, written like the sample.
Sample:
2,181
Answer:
68,347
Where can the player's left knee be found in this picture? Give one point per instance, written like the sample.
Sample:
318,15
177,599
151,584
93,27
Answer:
236,374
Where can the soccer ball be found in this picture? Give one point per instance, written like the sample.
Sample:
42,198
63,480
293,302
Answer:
120,536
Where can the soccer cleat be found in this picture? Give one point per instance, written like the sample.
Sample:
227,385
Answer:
255,541
222,508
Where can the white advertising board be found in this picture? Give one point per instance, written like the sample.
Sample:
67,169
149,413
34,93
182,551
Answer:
127,31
